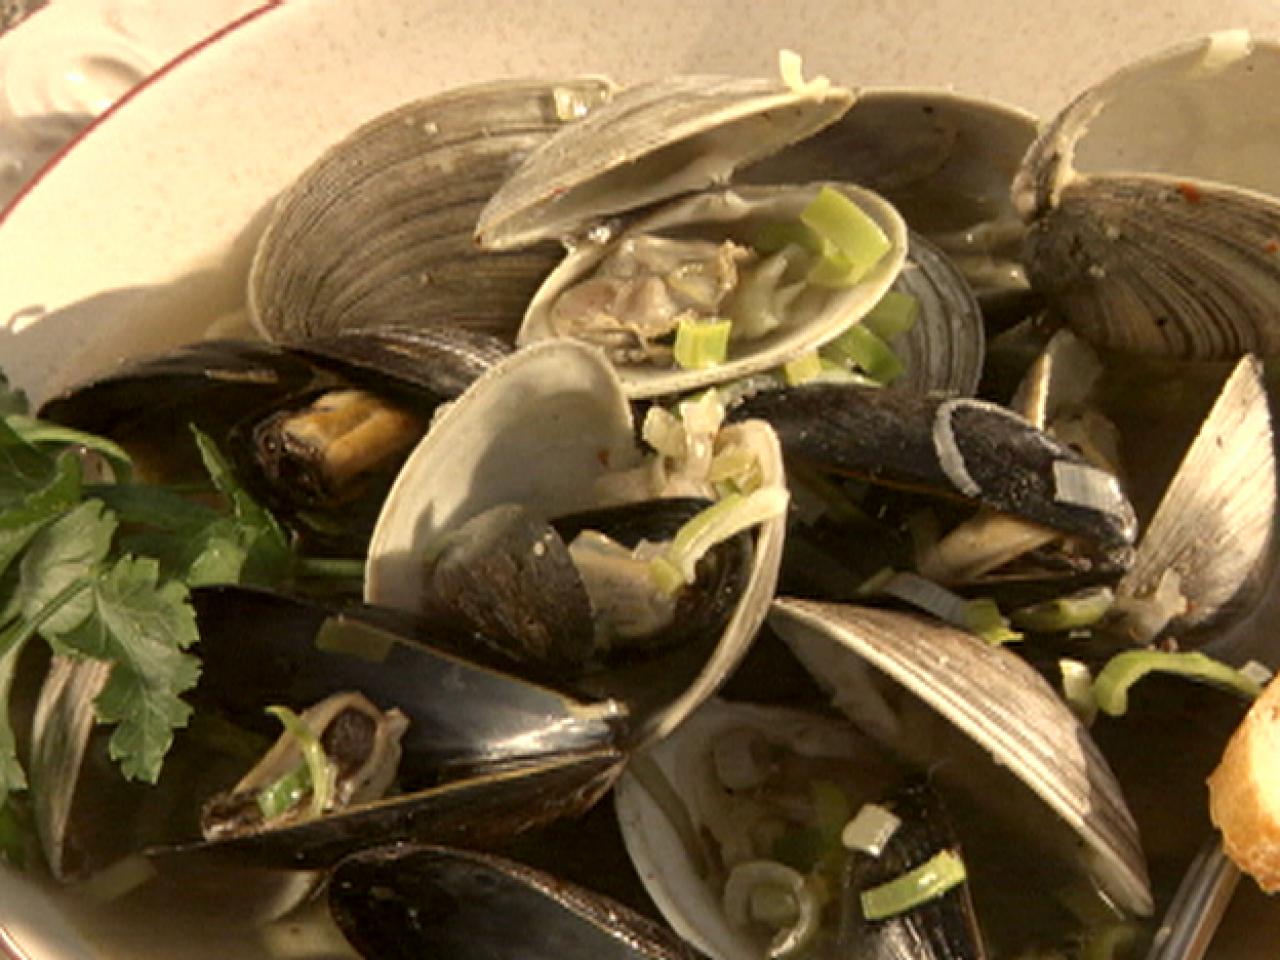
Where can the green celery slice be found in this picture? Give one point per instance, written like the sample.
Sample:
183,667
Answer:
940,873
1111,688
702,343
802,369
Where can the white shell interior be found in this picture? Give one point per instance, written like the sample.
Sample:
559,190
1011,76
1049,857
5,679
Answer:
732,214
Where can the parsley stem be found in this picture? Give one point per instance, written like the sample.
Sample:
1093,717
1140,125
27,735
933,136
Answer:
22,630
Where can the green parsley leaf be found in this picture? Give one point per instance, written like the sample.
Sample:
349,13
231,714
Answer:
267,555
143,627
41,432
20,523
61,556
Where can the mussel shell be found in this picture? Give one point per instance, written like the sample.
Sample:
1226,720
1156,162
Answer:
378,230
413,901
653,141
486,754
952,447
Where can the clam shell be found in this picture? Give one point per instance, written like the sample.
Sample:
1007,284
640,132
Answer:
652,142
1153,204
1214,525
539,429
943,159
731,212
378,230
1001,704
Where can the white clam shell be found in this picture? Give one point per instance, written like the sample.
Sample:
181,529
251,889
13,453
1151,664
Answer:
539,429
731,213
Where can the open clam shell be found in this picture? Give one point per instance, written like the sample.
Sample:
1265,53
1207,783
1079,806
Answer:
539,430
378,230
652,142
943,159
1214,527
1153,204
818,316
1002,705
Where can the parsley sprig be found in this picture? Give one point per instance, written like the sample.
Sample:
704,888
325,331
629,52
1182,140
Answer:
103,570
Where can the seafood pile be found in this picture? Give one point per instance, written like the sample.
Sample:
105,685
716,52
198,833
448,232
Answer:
771,489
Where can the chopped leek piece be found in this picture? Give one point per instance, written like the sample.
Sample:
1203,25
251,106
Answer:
776,235
277,799
860,346
1077,690
702,343
677,565
983,618
858,240
802,369
893,315
321,769
1111,688
940,873
871,830
1072,612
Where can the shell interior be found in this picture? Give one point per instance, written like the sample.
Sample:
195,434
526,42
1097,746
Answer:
734,214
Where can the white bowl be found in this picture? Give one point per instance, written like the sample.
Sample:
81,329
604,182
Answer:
139,235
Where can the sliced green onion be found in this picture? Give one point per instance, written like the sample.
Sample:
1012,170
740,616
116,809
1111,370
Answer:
1077,689
940,873
323,772
1072,612
802,369
677,565
278,798
871,830
893,315
858,240
702,343
860,346
1111,689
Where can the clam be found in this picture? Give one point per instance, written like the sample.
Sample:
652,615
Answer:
627,284
543,430
955,704
1152,206
476,755
378,230
943,159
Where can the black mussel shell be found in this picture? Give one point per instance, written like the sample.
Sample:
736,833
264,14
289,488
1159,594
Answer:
415,901
486,754
942,928
506,578
950,447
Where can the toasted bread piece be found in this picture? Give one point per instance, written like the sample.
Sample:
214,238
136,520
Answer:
1244,792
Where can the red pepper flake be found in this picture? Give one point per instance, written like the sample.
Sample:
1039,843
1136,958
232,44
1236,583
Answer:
1272,246
1190,192
603,456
